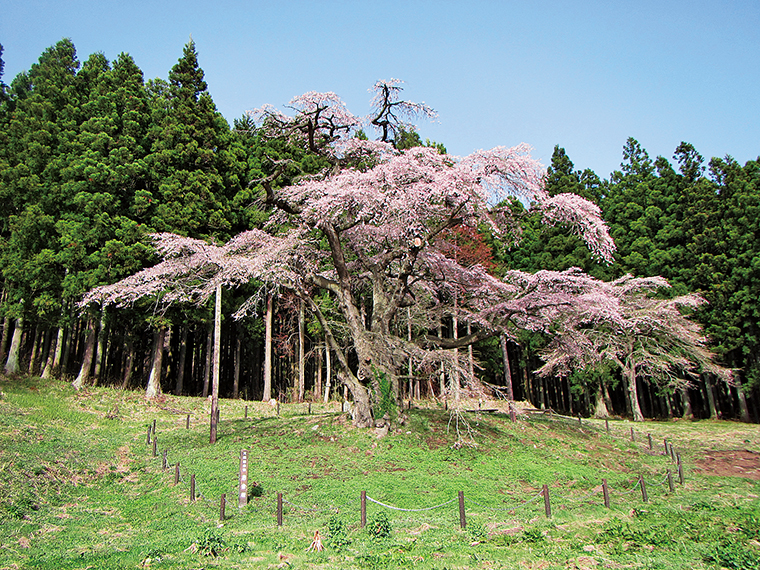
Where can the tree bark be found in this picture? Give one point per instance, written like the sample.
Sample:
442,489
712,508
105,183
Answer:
708,388
236,372
154,380
179,387
209,354
267,395
217,356
743,408
129,362
101,352
89,352
633,393
11,365
507,369
301,355
600,409
5,336
328,373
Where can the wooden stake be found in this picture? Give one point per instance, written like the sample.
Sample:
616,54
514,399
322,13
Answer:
222,504
192,488
462,519
547,503
364,509
279,509
606,493
644,496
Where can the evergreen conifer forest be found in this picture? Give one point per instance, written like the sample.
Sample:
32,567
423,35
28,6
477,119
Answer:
147,244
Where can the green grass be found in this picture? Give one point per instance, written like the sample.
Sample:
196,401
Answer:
80,488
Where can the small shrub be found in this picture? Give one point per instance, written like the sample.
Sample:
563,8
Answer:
379,527
337,536
212,543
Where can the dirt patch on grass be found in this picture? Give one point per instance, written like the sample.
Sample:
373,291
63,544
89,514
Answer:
738,463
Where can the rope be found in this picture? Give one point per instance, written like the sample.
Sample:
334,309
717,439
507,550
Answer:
521,505
636,485
587,497
409,510
284,500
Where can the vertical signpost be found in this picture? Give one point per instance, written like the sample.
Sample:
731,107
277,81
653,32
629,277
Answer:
243,487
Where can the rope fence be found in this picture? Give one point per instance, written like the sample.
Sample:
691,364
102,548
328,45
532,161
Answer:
558,501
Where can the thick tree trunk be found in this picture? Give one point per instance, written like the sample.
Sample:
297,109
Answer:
267,395
633,394
154,380
600,409
318,379
89,353
743,408
54,354
708,388
11,365
5,336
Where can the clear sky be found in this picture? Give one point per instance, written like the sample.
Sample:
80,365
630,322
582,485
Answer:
585,75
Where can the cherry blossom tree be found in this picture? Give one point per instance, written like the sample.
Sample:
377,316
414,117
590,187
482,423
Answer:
631,327
371,232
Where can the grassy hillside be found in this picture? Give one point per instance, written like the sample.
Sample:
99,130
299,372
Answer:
80,488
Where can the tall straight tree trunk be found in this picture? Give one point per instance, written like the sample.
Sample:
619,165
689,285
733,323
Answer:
129,359
154,380
6,335
743,408
11,365
179,387
708,388
318,379
507,369
54,354
217,358
301,355
100,356
328,373
89,353
455,335
35,347
267,395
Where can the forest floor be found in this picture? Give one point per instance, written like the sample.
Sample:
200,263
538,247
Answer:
81,487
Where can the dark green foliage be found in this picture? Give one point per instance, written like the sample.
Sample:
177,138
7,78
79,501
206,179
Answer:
337,533
379,526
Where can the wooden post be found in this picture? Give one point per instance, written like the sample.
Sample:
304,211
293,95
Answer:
670,482
606,493
187,422
665,442
607,426
649,435
155,450
163,464
148,442
192,488
680,468
154,429
644,496
246,412
279,509
580,422
278,408
364,509
462,519
633,435
176,475
222,504
243,479
309,408
547,503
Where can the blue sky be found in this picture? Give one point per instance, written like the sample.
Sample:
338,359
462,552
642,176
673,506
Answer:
584,75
